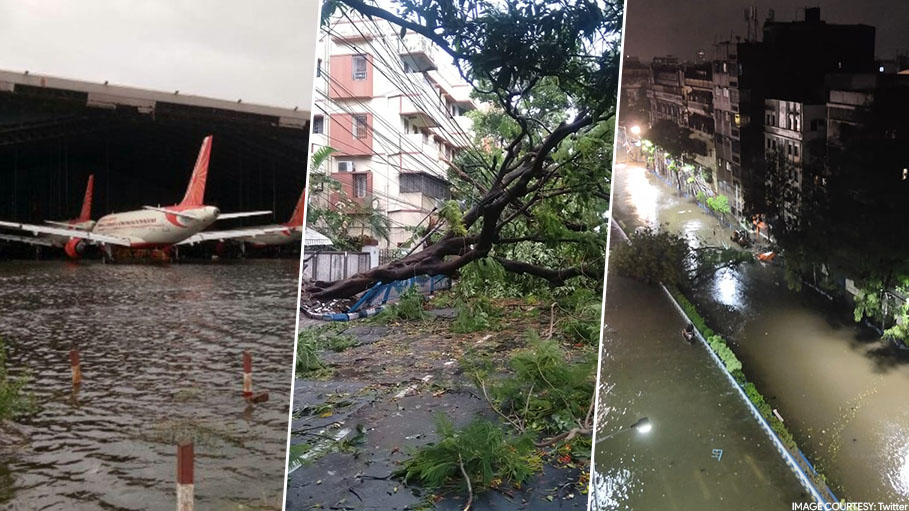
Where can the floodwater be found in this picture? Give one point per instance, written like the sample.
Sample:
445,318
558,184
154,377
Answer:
648,370
161,350
841,391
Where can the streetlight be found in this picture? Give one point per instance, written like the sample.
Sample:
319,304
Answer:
642,426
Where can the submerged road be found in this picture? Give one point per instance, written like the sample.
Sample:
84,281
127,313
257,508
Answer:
648,370
841,391
161,351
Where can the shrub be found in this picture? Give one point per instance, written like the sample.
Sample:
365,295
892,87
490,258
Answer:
718,345
543,391
409,307
582,324
475,315
307,353
14,402
484,450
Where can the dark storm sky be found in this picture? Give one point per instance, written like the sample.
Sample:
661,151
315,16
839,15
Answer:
680,27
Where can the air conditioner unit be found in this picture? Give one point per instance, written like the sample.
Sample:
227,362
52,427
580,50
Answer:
345,166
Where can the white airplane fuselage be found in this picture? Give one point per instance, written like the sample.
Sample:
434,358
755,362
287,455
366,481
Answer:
290,234
156,229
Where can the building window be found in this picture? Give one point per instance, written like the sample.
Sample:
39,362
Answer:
318,68
359,185
359,126
318,124
359,67
795,150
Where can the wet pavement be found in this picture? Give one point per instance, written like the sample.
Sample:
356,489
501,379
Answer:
161,350
381,402
839,388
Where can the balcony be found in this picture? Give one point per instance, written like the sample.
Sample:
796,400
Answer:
418,115
417,53
347,31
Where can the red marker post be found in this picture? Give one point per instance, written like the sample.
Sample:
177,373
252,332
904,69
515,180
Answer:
185,477
75,366
247,382
247,375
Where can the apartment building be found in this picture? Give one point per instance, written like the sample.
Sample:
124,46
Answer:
794,140
396,117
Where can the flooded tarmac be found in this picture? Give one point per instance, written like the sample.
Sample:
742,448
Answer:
839,388
161,350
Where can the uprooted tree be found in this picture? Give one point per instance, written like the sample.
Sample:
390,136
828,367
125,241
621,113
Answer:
533,192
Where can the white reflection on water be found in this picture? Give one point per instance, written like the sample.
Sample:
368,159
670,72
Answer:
727,288
641,194
611,490
898,467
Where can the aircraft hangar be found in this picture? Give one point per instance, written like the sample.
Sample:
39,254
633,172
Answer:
141,146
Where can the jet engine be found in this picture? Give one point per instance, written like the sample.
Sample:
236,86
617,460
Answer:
74,248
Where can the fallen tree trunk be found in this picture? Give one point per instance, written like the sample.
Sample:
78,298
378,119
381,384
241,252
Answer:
517,185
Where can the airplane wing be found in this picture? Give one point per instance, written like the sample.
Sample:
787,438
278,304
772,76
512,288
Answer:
72,233
230,234
63,224
25,239
224,216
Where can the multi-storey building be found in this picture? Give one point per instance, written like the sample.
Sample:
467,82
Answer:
794,140
789,65
634,105
868,113
667,100
697,87
738,103
395,117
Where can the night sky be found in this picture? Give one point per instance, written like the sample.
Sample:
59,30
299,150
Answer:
681,27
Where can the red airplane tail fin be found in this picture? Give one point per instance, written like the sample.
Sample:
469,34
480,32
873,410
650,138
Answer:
86,213
296,219
195,192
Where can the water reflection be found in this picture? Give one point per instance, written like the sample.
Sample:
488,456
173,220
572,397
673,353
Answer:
841,390
897,470
727,288
649,370
161,354
641,195
612,489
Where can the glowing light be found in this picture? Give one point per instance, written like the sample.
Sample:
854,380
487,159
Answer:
643,425
635,130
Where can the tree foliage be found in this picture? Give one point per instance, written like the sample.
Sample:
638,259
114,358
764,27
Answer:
534,189
655,256
349,222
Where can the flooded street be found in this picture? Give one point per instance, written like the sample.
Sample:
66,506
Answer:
840,390
161,350
648,370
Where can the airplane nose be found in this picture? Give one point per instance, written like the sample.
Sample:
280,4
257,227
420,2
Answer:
216,212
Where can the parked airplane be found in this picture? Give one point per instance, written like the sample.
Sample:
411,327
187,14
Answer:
83,222
260,236
150,227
